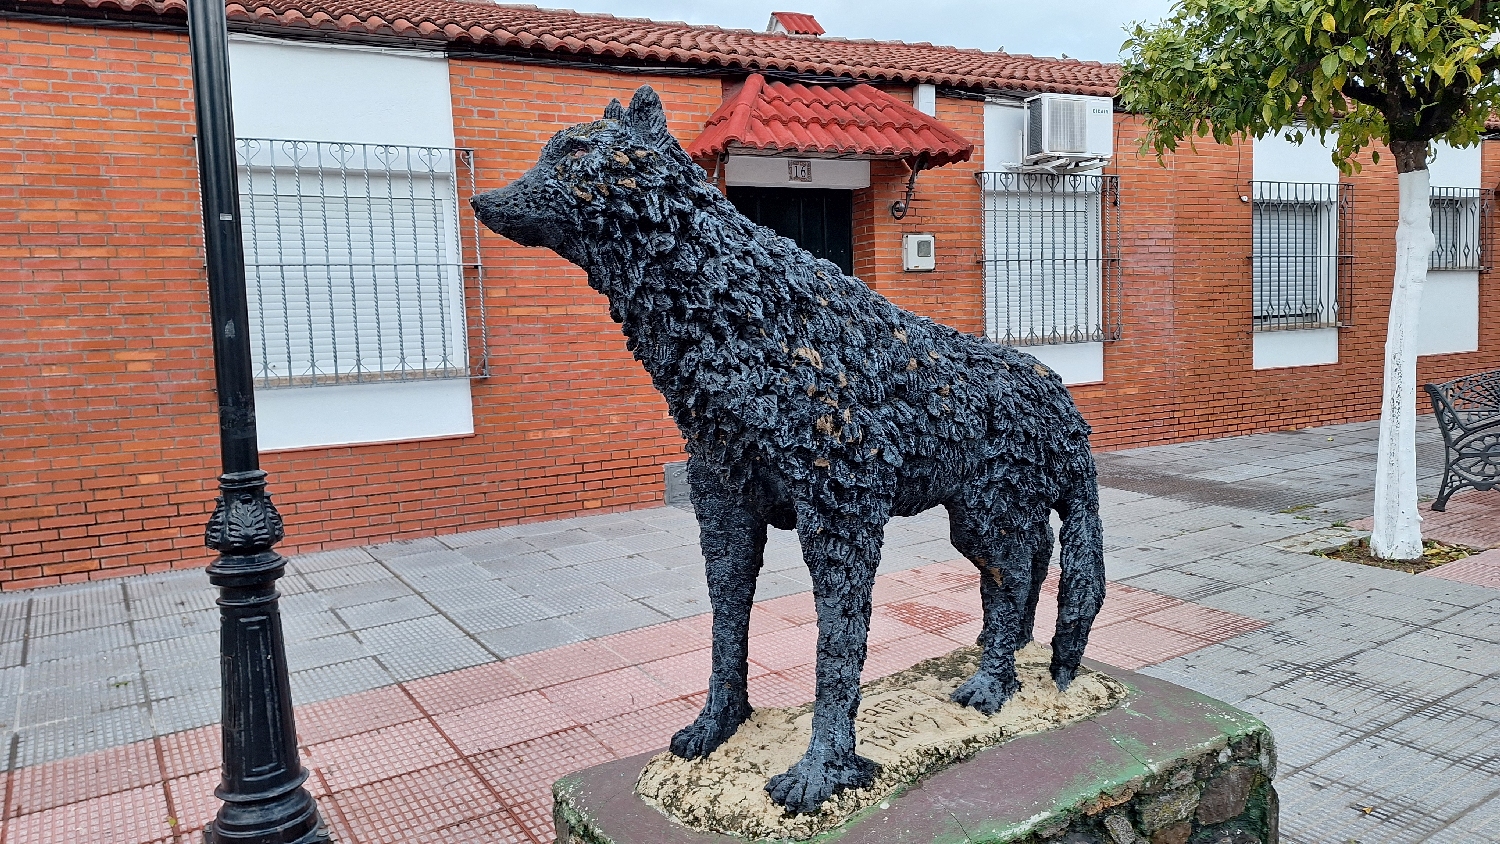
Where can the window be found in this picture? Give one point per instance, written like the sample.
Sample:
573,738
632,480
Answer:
1051,258
354,262
1456,215
1300,236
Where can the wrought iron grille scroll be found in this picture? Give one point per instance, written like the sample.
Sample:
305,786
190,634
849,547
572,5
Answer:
356,262
1051,258
1457,224
1302,250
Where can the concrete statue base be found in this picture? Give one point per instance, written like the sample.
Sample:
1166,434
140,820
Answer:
1134,760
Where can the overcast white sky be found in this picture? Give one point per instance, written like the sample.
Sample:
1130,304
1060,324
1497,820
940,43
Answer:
1082,29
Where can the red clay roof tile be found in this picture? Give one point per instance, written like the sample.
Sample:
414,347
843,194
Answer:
483,24
858,120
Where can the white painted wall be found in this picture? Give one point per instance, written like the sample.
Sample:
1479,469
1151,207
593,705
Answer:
1454,167
1277,159
1004,145
924,99
1449,320
770,171
1296,347
362,413
1076,363
359,95
1004,129
339,93
1449,313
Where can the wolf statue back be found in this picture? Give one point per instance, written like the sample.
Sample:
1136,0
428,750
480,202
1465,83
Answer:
810,402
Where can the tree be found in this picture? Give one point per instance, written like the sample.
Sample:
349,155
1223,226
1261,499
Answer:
1404,74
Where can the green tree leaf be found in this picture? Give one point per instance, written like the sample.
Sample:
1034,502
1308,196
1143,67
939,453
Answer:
1229,68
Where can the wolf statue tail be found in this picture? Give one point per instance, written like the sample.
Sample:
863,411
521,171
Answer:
1081,588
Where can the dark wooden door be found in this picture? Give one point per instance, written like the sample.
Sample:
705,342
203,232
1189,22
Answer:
820,220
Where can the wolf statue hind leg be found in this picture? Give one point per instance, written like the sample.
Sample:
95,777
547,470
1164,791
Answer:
1005,555
734,543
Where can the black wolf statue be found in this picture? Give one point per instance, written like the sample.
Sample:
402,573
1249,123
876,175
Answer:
810,402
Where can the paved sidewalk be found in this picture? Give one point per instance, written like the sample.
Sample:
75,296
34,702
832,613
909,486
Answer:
443,683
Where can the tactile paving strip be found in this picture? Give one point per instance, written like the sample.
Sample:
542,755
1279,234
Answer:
411,807
379,754
81,778
127,817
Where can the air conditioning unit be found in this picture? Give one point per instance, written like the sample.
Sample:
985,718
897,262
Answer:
1069,132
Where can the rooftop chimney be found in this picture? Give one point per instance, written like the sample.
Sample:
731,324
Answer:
794,23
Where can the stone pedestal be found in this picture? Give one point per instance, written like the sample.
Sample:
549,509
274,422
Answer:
1166,766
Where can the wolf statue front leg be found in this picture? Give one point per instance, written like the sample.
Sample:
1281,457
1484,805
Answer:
841,553
734,544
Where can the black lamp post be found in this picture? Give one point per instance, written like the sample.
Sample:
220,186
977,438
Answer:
264,801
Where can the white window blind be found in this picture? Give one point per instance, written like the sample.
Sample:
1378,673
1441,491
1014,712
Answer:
353,261
1051,260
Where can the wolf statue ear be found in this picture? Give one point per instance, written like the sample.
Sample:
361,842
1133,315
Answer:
614,111
646,115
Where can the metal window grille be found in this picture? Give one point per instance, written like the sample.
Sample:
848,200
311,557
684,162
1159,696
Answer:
1457,216
1051,258
355,262
1302,235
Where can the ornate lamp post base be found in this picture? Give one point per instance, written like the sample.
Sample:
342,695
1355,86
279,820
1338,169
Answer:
291,818
264,801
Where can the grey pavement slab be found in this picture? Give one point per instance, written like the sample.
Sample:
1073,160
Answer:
529,638
1381,687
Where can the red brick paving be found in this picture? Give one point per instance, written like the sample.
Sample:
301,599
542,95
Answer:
470,756
1471,518
1479,570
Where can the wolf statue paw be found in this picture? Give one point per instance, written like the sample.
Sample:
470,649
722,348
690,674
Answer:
986,691
707,732
804,787
1063,675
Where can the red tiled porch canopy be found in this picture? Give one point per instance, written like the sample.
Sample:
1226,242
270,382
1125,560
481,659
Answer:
857,121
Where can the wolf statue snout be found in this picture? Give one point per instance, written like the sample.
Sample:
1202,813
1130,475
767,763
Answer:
809,402
517,212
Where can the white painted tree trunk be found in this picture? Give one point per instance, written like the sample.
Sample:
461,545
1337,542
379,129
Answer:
1398,526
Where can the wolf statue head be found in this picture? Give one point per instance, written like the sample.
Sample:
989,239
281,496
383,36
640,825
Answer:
621,182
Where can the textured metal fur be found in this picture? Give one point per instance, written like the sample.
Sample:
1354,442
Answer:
810,402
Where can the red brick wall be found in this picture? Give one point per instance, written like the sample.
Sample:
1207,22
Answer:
107,415
946,204
1183,369
109,429
107,433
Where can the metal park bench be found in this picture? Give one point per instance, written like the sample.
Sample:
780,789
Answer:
1468,414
